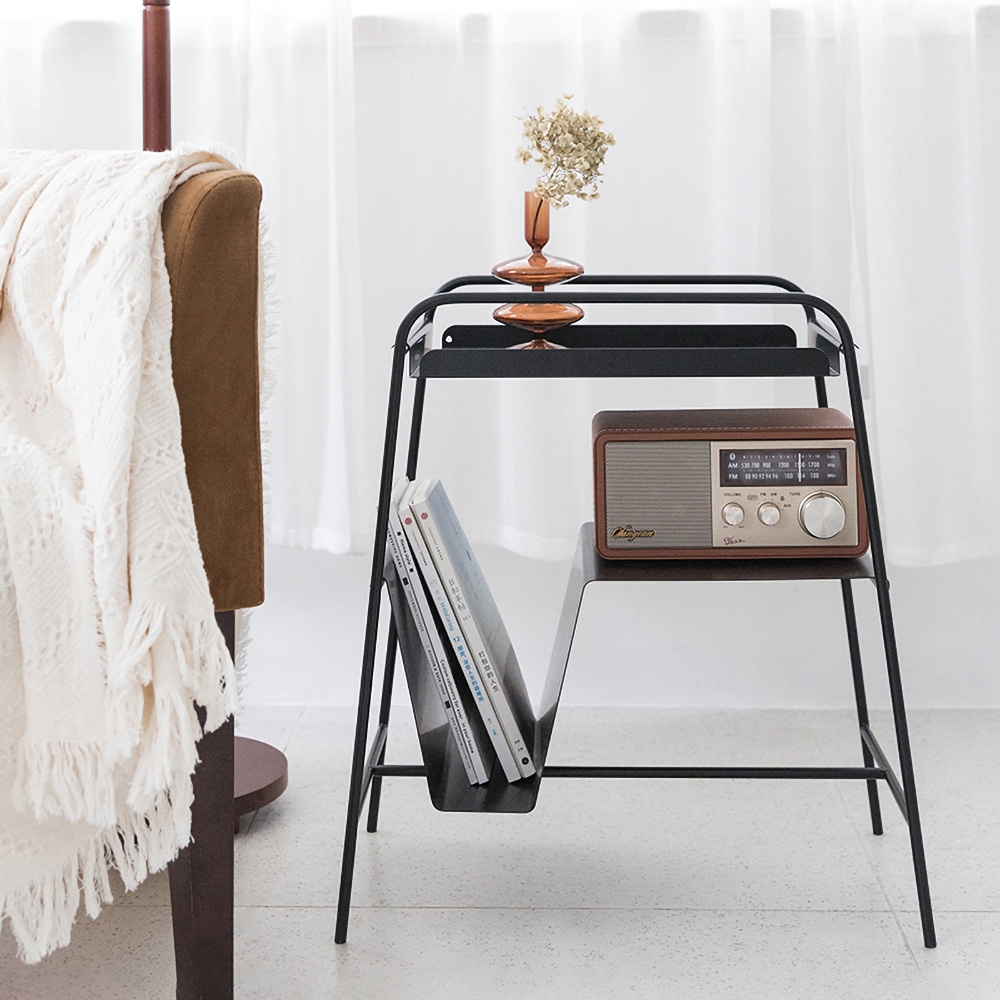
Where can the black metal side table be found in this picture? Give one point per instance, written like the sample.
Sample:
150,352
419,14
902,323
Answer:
603,351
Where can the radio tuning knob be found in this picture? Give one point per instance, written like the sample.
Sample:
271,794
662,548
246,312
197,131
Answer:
769,513
732,514
822,515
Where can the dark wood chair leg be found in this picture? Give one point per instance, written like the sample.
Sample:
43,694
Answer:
201,878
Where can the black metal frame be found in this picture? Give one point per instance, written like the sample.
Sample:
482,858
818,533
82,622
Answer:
629,351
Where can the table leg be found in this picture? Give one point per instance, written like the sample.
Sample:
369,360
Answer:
201,877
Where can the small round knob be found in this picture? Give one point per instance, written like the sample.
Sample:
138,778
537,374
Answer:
822,515
732,514
769,513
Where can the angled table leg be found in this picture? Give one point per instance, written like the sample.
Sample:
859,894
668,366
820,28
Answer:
861,700
911,811
375,797
881,580
360,768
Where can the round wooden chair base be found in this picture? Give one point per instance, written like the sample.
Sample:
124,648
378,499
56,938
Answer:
260,775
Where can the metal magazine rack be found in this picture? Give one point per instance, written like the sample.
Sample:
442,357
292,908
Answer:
604,351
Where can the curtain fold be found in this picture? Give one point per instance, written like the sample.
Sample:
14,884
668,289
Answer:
849,145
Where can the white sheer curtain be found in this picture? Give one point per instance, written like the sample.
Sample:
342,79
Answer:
850,145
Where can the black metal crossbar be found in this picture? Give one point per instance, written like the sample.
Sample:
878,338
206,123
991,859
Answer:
588,771
894,786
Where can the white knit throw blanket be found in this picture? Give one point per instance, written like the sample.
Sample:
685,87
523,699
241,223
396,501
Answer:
107,631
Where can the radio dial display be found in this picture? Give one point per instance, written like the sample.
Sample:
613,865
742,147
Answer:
783,467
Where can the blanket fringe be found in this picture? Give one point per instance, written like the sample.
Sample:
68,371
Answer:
173,662
167,752
244,636
193,650
72,781
42,912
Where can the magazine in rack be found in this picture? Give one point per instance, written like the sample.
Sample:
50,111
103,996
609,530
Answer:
437,652
470,624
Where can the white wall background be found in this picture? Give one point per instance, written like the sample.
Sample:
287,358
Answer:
848,144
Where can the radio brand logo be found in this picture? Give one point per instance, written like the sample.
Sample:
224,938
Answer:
630,534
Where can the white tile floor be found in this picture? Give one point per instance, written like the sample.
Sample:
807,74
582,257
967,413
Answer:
613,889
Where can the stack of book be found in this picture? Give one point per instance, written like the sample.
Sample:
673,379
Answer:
468,653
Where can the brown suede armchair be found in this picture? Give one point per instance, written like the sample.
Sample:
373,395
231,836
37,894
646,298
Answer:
210,232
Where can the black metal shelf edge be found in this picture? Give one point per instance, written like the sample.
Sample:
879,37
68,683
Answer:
447,781
667,362
600,570
623,336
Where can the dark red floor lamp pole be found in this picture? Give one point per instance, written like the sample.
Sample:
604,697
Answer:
156,74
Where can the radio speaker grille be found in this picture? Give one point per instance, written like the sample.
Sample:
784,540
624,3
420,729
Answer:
658,486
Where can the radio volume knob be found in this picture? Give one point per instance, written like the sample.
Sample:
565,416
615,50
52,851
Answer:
732,514
822,515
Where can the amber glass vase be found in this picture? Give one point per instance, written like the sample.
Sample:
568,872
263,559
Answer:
536,271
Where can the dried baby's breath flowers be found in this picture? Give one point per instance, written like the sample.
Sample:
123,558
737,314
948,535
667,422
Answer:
570,146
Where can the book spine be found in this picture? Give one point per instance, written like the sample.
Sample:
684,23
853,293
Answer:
469,670
437,655
424,516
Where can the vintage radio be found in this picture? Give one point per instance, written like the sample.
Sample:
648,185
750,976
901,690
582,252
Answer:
707,484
